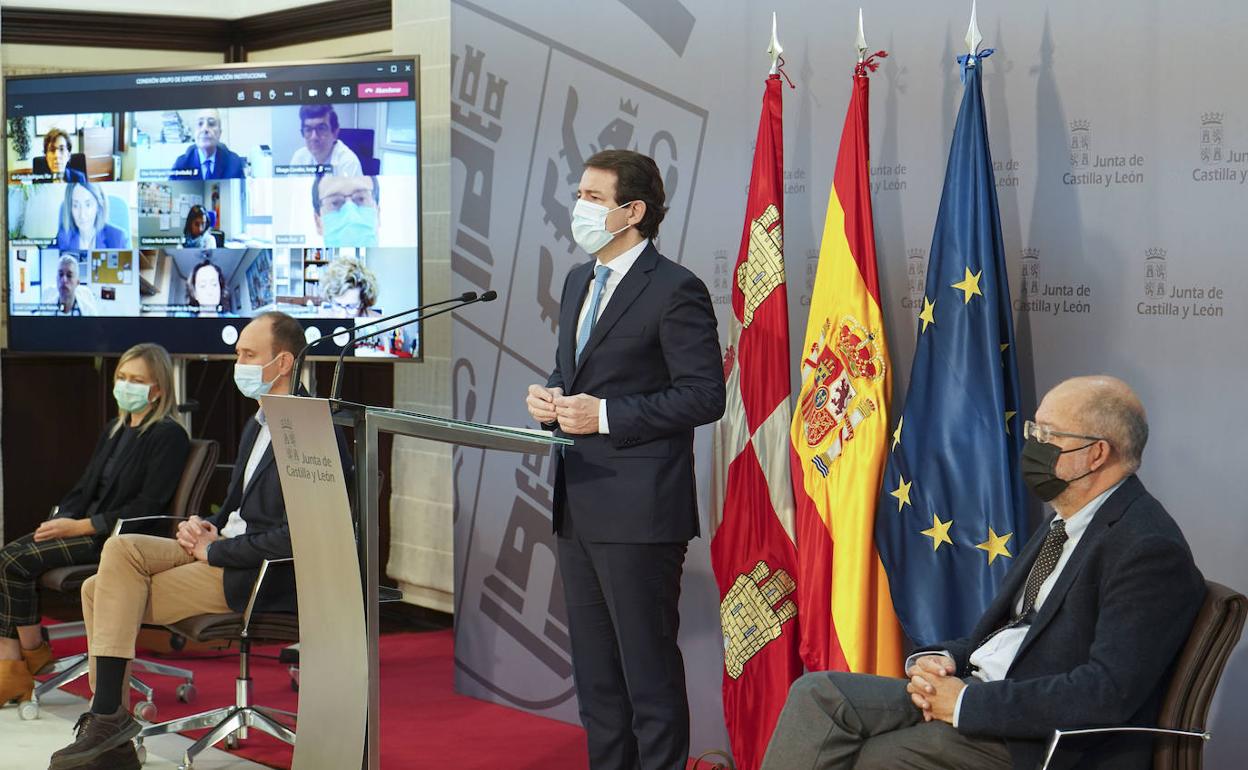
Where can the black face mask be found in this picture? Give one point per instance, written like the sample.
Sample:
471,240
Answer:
1039,467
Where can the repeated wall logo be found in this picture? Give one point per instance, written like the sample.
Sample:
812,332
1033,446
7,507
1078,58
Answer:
721,281
808,279
1040,296
1163,296
1211,139
1080,144
1029,269
916,278
1218,162
1092,169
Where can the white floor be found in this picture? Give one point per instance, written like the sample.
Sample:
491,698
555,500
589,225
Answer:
27,745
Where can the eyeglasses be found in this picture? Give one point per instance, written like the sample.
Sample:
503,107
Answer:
1043,433
362,198
320,129
353,308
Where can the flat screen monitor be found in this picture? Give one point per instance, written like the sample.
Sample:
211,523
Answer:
171,206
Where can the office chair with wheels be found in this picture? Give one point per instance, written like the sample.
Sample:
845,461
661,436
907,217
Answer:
231,723
187,499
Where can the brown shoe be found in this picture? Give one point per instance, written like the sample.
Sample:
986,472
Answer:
16,683
39,658
124,757
97,734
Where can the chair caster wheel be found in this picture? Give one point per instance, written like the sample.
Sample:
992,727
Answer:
186,692
141,751
28,710
145,711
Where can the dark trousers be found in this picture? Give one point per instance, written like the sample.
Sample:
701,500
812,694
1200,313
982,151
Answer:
22,562
623,616
837,720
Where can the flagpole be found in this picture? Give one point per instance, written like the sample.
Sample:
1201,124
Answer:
973,38
774,50
862,40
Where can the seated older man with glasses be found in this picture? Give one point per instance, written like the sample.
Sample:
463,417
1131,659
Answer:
1084,629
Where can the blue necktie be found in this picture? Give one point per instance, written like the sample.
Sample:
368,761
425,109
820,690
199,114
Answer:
600,283
207,169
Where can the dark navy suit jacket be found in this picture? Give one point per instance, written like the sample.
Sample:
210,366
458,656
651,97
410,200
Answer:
262,506
1103,643
654,356
226,164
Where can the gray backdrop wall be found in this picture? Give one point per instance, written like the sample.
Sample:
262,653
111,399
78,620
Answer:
1119,131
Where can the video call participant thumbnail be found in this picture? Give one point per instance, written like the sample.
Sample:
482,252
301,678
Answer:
208,157
84,221
206,292
195,233
58,148
70,297
350,290
347,209
319,126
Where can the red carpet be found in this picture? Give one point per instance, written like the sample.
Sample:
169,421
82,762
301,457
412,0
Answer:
424,723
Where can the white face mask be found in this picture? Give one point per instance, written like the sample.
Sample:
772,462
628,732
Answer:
250,379
589,225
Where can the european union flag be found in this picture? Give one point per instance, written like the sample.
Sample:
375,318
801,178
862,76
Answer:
952,513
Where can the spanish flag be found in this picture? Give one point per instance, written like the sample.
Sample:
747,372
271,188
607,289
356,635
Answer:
840,431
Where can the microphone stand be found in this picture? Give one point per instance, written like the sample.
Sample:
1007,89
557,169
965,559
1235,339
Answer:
297,370
488,296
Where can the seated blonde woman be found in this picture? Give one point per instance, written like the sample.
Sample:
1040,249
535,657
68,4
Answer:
134,471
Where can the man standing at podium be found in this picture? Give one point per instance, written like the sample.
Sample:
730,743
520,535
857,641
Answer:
637,368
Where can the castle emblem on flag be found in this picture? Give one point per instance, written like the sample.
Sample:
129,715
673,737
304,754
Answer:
763,268
831,404
749,616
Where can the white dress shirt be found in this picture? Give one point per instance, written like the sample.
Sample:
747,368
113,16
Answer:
992,659
344,161
236,525
619,267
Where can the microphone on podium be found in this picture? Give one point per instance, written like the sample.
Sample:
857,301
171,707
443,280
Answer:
463,301
467,298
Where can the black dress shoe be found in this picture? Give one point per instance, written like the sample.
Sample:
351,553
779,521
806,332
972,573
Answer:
96,735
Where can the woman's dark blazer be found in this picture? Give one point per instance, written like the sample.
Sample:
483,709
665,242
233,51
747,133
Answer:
145,481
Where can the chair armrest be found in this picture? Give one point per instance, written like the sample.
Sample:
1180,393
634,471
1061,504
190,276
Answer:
255,590
1059,734
122,522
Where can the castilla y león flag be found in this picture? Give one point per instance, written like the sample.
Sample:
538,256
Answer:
841,429
752,548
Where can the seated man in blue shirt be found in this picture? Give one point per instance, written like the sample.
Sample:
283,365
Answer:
208,158
1083,631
